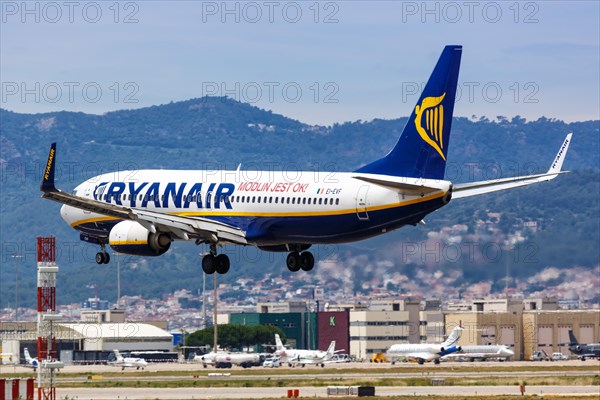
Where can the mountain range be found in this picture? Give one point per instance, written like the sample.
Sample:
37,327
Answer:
557,222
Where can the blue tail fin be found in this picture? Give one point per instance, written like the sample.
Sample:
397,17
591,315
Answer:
422,148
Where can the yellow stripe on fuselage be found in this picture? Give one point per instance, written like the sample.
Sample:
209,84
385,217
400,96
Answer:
220,213
128,242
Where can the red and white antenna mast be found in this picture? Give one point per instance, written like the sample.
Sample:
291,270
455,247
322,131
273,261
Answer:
47,316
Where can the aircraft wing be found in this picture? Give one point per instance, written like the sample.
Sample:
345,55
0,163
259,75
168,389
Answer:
183,227
475,188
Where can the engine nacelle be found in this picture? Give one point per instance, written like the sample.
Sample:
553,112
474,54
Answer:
129,237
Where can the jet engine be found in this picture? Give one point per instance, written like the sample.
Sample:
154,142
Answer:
129,237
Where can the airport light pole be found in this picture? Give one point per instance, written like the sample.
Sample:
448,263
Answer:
118,281
215,329
18,258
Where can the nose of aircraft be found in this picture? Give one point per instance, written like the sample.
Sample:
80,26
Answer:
64,213
507,353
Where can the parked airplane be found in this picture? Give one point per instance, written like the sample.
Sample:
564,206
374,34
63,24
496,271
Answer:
473,353
303,357
583,351
30,362
425,352
227,360
142,212
128,362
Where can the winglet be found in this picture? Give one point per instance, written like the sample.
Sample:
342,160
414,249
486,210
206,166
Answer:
48,178
560,156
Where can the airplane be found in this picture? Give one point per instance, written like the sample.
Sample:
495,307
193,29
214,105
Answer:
142,212
303,357
583,351
226,360
128,362
30,362
473,353
425,352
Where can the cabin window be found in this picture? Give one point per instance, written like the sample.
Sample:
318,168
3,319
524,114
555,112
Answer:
309,200
293,200
276,200
265,199
271,199
304,200
320,200
258,199
288,200
337,202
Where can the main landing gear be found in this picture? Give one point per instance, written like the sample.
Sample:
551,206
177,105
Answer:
102,257
212,262
296,261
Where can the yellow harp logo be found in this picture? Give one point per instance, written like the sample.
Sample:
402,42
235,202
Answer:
431,113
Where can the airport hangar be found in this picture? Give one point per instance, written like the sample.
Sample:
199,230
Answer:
89,341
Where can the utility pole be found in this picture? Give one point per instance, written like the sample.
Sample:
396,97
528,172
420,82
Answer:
215,332
118,281
18,258
203,301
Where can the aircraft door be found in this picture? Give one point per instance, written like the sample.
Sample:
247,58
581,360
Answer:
361,203
87,195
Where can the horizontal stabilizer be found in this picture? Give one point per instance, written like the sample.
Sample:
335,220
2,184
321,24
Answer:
475,188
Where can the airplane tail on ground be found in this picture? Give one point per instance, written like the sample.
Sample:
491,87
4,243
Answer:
453,338
572,338
278,343
118,355
331,349
423,146
27,355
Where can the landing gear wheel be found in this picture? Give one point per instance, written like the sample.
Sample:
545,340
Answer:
102,257
436,361
209,264
307,261
222,264
293,261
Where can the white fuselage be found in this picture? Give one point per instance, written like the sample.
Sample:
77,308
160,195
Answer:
273,207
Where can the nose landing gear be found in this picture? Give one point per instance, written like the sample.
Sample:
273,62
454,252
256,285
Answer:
102,257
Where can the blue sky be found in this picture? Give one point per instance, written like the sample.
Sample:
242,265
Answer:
318,62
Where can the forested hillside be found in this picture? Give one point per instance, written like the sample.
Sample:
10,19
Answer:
552,225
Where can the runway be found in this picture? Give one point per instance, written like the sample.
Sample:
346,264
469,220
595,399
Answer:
191,381
261,393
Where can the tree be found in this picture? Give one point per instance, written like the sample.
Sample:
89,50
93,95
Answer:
236,337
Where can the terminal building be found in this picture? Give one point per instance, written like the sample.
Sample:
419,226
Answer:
364,329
